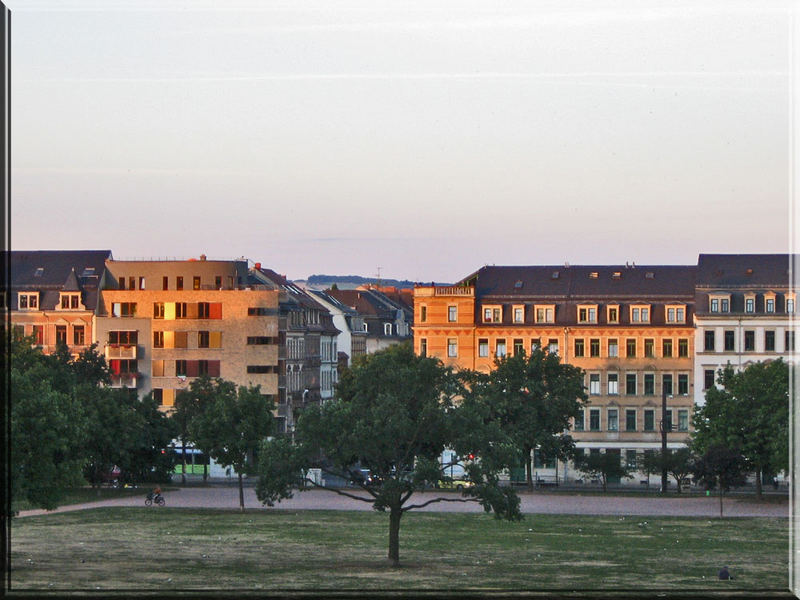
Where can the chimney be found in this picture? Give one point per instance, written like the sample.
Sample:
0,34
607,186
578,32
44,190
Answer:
202,257
258,266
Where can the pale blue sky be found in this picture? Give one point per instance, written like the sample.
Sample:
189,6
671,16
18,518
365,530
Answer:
428,138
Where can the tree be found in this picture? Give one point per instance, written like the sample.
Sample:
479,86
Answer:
186,409
649,463
749,414
233,426
394,414
603,465
147,458
719,467
679,465
534,397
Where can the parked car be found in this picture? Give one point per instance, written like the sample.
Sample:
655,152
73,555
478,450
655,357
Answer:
454,484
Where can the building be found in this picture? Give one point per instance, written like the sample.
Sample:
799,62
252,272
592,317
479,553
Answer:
385,321
308,360
628,327
352,338
162,323
745,304
53,296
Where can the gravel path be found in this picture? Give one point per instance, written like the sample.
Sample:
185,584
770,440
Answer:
537,502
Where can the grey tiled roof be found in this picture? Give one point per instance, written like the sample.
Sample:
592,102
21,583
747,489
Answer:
747,270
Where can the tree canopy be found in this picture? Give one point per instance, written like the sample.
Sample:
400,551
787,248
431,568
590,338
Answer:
394,414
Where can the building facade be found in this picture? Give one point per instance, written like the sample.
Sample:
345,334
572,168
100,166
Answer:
629,328
745,307
385,321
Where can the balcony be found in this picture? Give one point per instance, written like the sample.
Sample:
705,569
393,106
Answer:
120,351
124,380
455,290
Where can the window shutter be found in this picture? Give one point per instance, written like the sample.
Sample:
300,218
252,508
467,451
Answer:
168,397
114,364
213,368
158,368
181,339
169,311
215,339
192,368
215,310
169,339
191,310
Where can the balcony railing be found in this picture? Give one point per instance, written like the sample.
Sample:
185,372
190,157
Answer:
454,290
121,351
123,380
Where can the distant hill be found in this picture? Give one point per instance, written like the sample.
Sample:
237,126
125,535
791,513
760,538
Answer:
353,281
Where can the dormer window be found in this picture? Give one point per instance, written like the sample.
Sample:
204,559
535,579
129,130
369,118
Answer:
769,302
544,313
750,303
519,314
676,313
387,329
612,313
587,313
593,275
70,301
38,272
790,299
640,313
492,314
719,303
28,301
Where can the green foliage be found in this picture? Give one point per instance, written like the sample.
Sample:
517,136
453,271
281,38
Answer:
720,467
604,465
749,414
395,413
532,398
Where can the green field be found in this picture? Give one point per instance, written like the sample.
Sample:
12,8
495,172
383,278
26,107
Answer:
138,549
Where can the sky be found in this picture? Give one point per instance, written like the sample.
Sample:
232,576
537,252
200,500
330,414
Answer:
419,139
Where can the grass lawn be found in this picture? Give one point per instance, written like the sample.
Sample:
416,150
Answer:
139,548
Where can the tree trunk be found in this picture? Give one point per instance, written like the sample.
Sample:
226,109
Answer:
205,470
528,468
394,535
241,492
720,502
759,489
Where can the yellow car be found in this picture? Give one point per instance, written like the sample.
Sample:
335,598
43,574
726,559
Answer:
455,484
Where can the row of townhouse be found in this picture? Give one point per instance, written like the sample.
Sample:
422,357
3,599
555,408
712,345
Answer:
640,333
161,323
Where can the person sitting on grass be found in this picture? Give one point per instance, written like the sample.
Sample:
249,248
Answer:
725,574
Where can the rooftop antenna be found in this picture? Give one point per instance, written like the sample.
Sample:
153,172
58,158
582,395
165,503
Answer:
379,277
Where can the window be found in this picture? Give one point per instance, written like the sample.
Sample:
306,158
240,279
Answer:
769,341
501,348
165,283
483,348
750,304
203,310
630,347
131,283
769,304
708,382
123,338
423,347
594,384
613,348
668,420
683,384
630,419
261,369
195,283
158,339
202,339
676,314
536,343
683,420
423,313
78,335
714,305
708,339
519,314
579,420
179,283
649,419
649,345
519,347
789,341
452,347
649,384
613,419
452,314
666,384
587,313
181,311
202,367
789,303
630,459
724,305
28,301
613,384
594,347
683,348
630,384
720,303
579,348
158,310
749,340
260,340
61,334
544,313
640,313
180,368
552,346
594,419
218,282
70,301
612,314
121,282
260,311
38,335
123,309
729,341
666,348
387,329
